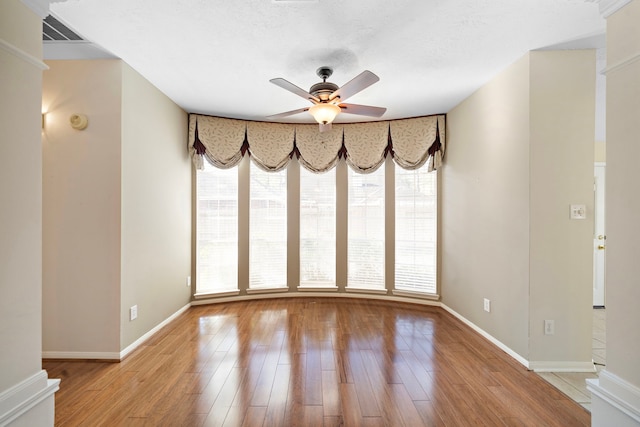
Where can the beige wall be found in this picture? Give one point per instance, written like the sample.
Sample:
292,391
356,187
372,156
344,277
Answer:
81,204
117,217
27,395
156,206
623,198
17,23
485,208
20,196
520,152
562,105
616,393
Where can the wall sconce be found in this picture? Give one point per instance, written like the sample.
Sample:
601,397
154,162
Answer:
79,121
44,118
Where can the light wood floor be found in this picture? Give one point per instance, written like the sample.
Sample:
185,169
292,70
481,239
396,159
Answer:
311,362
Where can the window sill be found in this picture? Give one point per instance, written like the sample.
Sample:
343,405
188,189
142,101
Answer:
303,288
415,294
267,290
366,290
214,294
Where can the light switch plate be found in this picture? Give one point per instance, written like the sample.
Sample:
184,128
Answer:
578,212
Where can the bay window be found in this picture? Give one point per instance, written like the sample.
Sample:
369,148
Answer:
282,206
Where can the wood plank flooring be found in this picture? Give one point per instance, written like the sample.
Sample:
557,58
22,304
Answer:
311,362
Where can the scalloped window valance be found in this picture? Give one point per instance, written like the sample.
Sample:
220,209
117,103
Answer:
364,146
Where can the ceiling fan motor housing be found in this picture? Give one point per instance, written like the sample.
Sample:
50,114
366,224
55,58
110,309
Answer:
323,90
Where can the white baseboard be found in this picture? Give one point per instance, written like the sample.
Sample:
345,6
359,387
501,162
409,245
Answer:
112,356
561,366
19,400
614,401
89,355
488,336
148,335
536,366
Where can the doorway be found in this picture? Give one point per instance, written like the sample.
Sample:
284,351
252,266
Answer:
599,237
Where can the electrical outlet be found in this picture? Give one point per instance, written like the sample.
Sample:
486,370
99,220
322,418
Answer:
487,305
133,312
549,327
188,281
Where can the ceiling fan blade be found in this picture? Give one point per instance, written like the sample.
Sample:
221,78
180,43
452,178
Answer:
362,110
355,85
285,84
288,113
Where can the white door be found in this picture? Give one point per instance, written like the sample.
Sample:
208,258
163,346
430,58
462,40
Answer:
599,238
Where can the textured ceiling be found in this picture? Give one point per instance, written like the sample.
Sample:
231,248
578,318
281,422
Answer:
216,57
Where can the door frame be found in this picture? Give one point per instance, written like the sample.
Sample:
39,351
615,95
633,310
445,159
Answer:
599,236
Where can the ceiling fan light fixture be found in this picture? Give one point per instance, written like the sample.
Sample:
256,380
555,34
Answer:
328,99
324,112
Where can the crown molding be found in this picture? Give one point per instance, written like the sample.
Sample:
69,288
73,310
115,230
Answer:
621,64
609,7
19,53
40,7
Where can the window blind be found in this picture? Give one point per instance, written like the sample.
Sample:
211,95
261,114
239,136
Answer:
317,228
217,229
415,241
366,225
267,228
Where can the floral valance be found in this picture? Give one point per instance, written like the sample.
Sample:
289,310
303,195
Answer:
366,145
271,144
218,140
318,151
416,141
411,142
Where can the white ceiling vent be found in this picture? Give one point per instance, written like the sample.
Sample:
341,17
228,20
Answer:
52,29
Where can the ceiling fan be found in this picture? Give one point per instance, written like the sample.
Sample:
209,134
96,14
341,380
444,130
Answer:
327,98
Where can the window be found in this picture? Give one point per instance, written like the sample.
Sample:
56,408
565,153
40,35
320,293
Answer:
242,223
217,230
317,228
267,229
415,241
365,250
